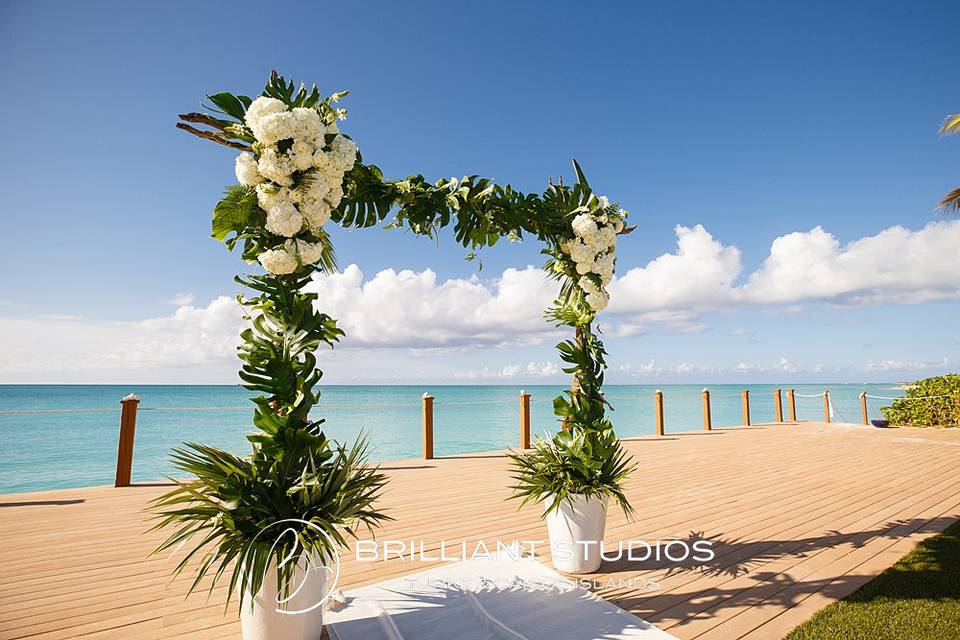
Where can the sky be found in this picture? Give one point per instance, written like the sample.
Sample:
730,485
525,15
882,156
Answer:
781,162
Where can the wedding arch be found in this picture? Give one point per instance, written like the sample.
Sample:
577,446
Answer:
298,172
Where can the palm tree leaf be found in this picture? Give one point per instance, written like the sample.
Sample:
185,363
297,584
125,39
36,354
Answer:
950,202
951,125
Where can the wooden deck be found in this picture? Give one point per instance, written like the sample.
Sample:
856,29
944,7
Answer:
800,515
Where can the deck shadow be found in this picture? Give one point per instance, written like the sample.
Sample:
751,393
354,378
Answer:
41,503
736,558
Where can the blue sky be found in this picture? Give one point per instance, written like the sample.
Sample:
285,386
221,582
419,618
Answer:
752,119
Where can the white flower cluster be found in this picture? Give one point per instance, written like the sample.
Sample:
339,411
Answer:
306,202
290,256
592,251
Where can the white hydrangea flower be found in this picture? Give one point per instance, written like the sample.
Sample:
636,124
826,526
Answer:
259,109
301,155
598,301
605,261
309,252
584,226
605,239
331,175
276,127
246,169
308,125
581,252
278,261
335,195
344,151
316,213
588,285
583,268
323,160
269,196
603,267
276,166
283,219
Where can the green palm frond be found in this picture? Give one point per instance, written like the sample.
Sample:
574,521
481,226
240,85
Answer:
231,499
951,125
588,462
950,202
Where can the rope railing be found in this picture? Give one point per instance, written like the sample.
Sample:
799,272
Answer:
30,412
130,406
944,395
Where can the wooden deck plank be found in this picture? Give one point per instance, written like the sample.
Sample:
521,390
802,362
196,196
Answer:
801,515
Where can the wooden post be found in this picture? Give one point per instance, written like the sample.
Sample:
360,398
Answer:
745,400
658,410
792,401
524,419
707,419
777,405
427,426
128,427
826,407
863,407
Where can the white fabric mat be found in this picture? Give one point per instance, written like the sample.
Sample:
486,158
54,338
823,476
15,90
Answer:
484,599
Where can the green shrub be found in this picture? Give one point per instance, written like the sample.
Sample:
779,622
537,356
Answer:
932,412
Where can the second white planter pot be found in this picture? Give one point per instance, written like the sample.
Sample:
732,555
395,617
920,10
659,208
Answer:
576,530
300,618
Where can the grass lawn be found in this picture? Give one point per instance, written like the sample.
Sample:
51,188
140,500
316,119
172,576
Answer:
916,599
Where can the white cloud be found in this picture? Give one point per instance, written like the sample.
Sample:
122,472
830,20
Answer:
513,371
896,265
786,366
535,369
437,319
182,299
414,309
907,365
189,337
700,275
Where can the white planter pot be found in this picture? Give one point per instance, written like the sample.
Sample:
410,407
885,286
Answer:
297,620
576,531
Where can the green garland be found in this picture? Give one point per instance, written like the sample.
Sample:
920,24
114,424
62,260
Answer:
294,471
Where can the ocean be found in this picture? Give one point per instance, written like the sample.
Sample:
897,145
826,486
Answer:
58,436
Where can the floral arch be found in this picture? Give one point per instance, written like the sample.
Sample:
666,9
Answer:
297,172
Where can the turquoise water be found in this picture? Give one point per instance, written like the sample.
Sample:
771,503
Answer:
75,449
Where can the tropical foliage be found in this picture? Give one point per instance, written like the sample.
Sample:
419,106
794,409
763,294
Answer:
297,172
951,202
576,462
931,402
586,457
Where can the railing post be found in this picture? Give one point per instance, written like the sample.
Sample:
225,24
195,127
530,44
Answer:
863,407
658,410
707,419
826,407
777,405
792,401
128,427
745,400
524,419
427,426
